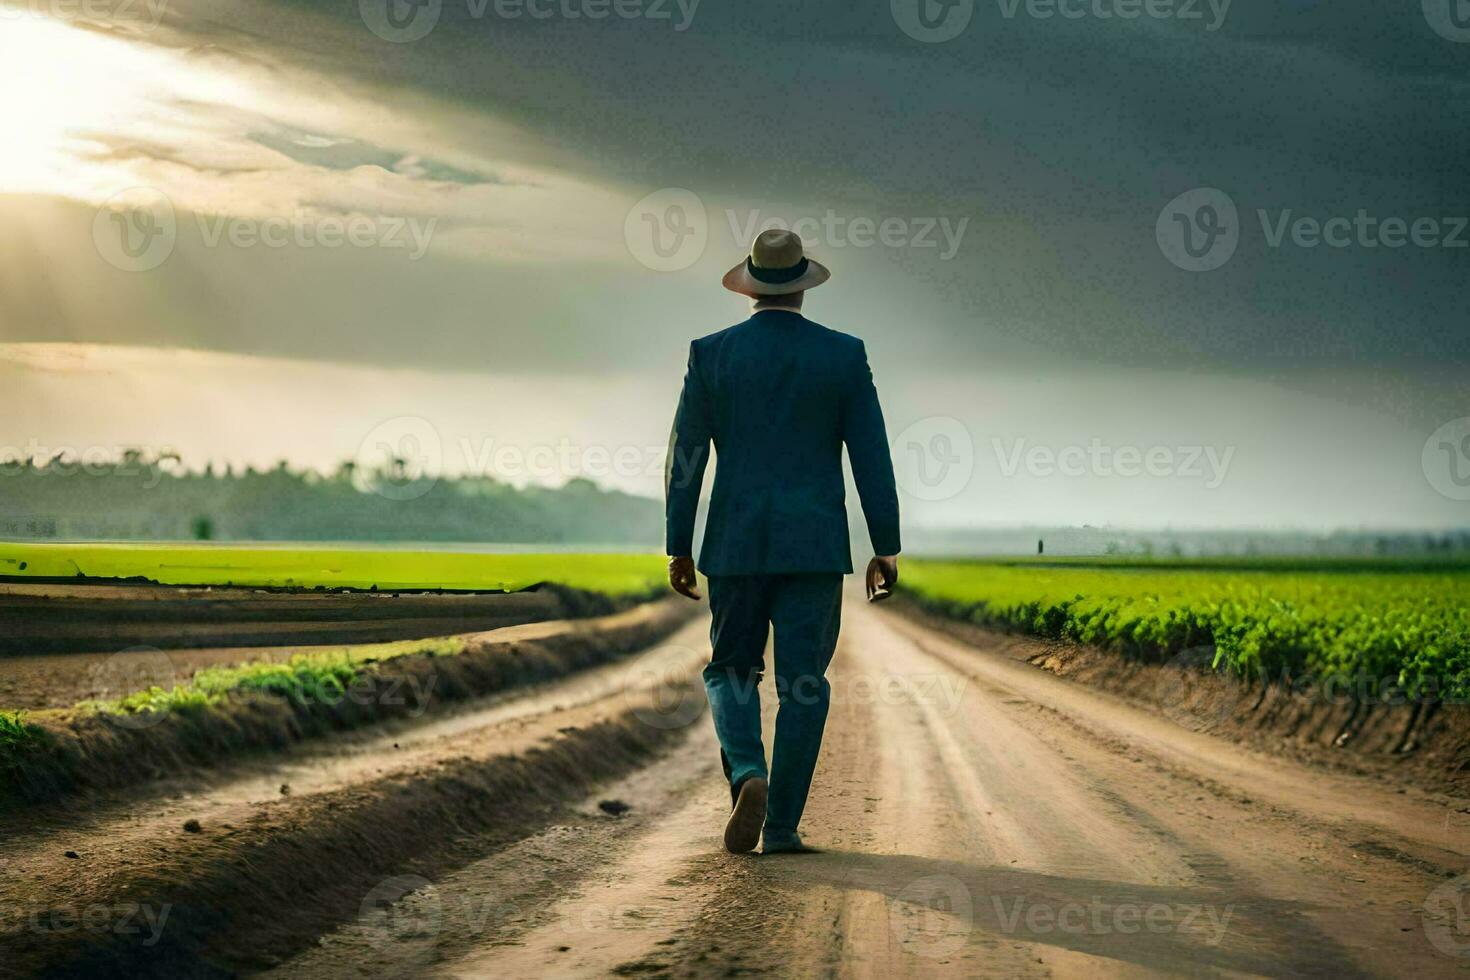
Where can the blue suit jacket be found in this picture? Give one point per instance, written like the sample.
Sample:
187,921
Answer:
778,396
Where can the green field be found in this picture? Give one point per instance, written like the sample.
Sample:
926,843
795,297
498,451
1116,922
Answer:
271,566
1265,618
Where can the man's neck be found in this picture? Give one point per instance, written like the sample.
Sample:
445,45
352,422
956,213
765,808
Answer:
763,307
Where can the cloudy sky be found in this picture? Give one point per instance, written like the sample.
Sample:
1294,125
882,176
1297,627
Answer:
1183,263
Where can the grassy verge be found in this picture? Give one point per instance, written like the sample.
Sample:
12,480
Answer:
224,711
16,734
273,566
320,676
1262,620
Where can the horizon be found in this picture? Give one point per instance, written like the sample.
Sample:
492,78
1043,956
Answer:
267,230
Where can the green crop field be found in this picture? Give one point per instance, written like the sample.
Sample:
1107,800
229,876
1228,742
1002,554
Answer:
1266,619
273,566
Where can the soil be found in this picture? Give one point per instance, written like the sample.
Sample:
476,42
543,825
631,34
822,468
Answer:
65,643
1424,746
83,750
977,816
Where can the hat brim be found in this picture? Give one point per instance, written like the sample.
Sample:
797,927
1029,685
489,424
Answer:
739,280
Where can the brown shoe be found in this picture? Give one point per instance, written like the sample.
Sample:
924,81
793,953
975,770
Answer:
743,831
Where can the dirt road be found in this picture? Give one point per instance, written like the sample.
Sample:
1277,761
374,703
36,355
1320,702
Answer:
980,817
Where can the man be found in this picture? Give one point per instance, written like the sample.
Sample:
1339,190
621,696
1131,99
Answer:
778,396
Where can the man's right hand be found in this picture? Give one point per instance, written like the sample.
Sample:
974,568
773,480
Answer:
882,577
682,577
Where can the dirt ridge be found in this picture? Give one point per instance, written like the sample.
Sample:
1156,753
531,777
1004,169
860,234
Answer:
91,751
1424,745
297,868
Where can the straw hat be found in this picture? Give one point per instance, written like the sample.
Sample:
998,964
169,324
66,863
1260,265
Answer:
775,267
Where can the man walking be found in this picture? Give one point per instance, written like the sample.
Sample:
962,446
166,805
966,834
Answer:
778,396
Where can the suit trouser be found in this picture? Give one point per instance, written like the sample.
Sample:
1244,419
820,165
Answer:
806,613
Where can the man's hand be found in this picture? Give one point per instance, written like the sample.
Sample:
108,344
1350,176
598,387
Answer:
882,577
682,577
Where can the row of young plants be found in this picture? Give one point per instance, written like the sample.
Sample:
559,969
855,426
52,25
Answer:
1407,627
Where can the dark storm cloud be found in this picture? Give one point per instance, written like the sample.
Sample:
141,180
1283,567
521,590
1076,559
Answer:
1059,139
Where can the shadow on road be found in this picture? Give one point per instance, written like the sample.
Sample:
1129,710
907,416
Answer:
937,906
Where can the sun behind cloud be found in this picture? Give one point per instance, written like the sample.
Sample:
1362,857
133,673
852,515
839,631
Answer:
92,113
